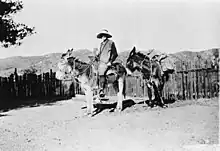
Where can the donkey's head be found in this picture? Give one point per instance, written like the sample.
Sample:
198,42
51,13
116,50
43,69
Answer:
131,60
64,69
139,61
67,54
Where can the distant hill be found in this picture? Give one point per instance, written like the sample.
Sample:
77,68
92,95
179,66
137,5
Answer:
46,62
41,63
8,65
184,56
204,56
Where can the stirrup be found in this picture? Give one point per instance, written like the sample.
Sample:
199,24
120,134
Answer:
101,93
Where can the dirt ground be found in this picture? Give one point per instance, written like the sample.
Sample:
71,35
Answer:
62,126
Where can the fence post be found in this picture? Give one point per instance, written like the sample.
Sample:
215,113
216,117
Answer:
60,88
73,87
10,86
0,89
173,84
187,80
211,78
194,81
206,79
183,79
217,77
137,86
40,85
191,79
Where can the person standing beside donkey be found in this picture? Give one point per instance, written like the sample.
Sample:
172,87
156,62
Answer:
106,54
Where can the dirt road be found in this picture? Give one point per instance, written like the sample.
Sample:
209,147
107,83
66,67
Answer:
62,127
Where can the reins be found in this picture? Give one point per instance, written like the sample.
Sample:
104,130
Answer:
143,61
142,66
89,65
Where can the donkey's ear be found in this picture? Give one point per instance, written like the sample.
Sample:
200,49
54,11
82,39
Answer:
91,58
63,55
70,50
132,52
134,49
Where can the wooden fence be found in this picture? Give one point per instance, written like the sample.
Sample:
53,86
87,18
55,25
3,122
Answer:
33,86
188,83
196,79
183,84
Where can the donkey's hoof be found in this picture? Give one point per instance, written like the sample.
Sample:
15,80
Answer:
151,105
145,104
88,114
97,100
165,106
118,110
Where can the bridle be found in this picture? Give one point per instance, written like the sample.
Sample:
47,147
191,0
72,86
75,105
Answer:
89,65
142,65
143,61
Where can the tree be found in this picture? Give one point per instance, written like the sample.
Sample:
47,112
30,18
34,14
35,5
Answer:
12,33
215,58
215,52
31,70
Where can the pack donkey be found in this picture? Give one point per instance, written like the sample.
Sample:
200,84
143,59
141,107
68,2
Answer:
86,75
151,71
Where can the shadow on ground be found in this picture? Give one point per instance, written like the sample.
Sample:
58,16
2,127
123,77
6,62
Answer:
34,102
8,104
166,101
101,107
126,104
1,115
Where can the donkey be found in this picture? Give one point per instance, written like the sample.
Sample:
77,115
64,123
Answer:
85,73
151,71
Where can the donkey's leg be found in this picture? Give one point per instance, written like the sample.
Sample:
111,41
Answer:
103,83
89,99
124,87
144,92
150,94
158,94
120,94
162,101
160,89
161,94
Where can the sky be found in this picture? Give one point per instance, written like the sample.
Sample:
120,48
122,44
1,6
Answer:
168,26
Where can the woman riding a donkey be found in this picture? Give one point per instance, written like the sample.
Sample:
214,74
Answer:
103,64
105,56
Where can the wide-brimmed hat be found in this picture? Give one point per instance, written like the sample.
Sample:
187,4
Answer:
104,32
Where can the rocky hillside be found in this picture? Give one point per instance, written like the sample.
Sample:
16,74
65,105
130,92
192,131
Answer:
184,56
40,63
46,62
